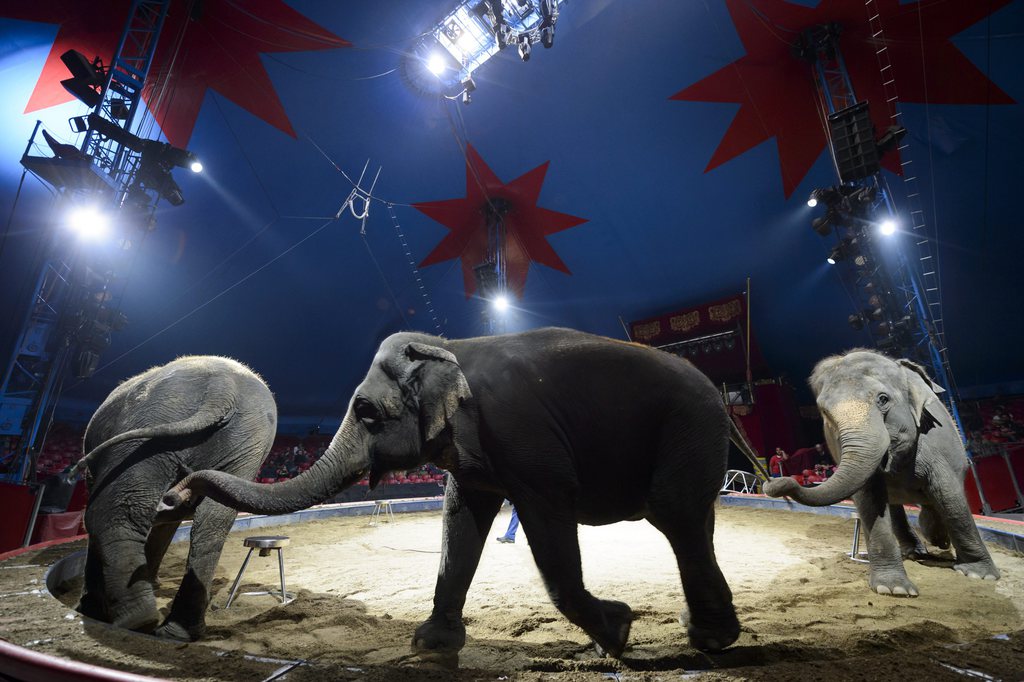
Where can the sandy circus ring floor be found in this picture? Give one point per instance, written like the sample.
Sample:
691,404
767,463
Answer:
805,609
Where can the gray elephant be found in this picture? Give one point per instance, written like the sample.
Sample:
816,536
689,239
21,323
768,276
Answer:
897,444
572,428
200,412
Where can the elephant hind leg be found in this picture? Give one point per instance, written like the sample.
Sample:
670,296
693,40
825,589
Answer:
933,527
550,524
910,544
712,624
92,603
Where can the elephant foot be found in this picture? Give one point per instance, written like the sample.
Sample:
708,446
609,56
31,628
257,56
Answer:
439,636
711,637
917,553
91,608
173,630
894,584
142,622
611,637
983,569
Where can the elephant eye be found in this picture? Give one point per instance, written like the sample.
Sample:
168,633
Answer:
883,401
367,414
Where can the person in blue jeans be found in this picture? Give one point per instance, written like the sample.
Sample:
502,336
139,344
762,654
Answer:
513,526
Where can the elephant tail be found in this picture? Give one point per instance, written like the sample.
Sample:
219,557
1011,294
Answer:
217,409
740,441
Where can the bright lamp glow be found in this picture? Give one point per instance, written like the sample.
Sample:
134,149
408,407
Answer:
887,227
88,222
436,64
196,167
812,202
500,303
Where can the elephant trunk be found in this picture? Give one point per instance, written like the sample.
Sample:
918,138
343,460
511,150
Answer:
863,441
344,463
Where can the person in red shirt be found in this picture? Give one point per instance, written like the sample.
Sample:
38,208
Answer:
778,464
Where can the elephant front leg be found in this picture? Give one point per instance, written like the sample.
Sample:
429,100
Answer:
972,557
550,525
467,519
187,618
885,559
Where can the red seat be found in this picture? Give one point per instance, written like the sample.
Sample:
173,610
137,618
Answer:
996,483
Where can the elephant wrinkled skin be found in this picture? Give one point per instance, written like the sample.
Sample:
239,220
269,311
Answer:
897,444
200,412
572,428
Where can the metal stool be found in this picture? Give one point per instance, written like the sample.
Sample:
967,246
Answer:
266,544
855,554
382,508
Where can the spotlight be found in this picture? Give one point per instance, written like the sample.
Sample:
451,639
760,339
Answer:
196,166
887,227
468,86
65,151
829,195
823,224
524,48
88,222
435,63
500,303
890,138
87,78
549,15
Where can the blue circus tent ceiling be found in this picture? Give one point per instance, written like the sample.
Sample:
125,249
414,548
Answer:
664,151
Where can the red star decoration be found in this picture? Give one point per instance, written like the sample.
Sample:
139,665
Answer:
776,91
219,49
526,224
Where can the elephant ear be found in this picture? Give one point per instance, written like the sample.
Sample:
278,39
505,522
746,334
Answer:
441,388
920,388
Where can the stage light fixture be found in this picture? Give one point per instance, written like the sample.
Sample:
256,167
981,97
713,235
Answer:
65,151
88,222
435,63
890,138
821,194
156,159
823,224
856,321
524,47
87,78
887,227
500,303
839,252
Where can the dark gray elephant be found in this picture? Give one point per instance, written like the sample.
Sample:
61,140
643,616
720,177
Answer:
572,428
897,444
199,412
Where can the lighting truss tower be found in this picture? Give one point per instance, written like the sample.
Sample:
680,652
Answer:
67,323
901,314
491,275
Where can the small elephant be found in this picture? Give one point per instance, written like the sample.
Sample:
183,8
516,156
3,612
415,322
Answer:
897,444
199,412
571,428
